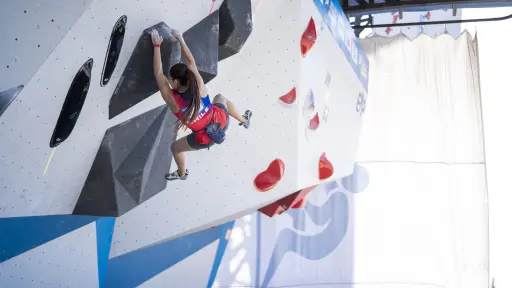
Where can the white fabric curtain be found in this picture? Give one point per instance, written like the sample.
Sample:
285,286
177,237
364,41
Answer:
424,102
423,218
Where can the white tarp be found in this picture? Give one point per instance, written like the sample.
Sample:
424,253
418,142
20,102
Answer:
423,218
494,60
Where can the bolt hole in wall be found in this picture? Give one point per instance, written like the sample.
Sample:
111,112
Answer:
73,104
114,49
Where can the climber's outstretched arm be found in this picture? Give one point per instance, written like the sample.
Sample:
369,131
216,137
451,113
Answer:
191,62
161,80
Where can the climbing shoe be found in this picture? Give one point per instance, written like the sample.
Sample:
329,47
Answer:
247,115
176,176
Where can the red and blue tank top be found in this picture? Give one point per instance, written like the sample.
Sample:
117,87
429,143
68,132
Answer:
205,114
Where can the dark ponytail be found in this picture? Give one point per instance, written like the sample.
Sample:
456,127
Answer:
186,78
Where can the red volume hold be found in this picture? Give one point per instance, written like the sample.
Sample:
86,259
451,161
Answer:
308,38
269,178
302,198
325,168
314,122
289,97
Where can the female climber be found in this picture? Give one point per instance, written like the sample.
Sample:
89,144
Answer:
188,99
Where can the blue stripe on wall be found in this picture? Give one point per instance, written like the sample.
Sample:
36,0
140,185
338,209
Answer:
221,249
20,234
135,268
104,231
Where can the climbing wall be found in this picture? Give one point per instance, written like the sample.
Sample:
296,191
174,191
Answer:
49,167
281,152
57,175
40,185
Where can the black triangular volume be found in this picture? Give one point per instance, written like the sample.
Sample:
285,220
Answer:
235,26
130,165
7,97
97,197
134,169
203,41
138,81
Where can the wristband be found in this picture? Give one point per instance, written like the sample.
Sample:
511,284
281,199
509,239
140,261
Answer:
156,45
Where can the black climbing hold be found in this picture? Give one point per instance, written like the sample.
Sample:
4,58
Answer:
235,26
138,81
130,165
73,103
7,96
114,49
203,41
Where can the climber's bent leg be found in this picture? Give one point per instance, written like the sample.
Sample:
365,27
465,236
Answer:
243,119
178,149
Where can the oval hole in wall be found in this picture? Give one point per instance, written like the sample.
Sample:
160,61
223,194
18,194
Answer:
73,104
114,49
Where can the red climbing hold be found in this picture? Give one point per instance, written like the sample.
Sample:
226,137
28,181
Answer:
289,97
325,168
292,201
269,178
308,38
314,122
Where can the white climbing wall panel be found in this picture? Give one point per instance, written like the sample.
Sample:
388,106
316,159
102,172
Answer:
220,185
38,180
30,31
27,125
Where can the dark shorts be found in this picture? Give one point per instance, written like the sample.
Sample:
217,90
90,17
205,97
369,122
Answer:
196,140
